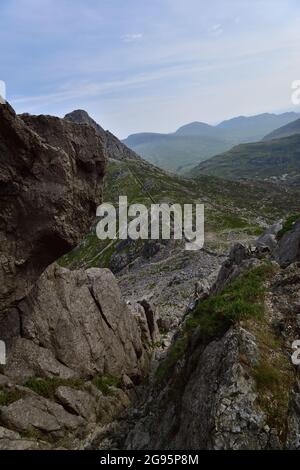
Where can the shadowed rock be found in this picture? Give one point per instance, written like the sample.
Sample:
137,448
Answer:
51,175
115,148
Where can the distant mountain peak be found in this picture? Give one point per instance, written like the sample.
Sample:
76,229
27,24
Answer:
195,128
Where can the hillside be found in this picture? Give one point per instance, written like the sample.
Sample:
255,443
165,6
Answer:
277,159
197,141
175,152
285,131
254,128
231,208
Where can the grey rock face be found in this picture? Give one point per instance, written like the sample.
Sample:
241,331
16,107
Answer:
115,149
13,440
288,250
79,402
49,193
76,323
268,238
217,407
73,325
40,413
239,259
210,398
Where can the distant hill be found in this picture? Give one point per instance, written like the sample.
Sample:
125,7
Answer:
234,210
197,141
285,131
276,159
253,128
198,128
175,152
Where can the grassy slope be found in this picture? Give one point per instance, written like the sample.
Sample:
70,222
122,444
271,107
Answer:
285,131
230,207
258,160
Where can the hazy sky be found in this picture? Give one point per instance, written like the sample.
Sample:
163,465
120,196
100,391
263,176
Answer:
150,65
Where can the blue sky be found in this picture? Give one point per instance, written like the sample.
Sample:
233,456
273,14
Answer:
150,65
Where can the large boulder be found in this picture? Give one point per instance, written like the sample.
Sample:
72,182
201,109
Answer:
76,323
51,182
268,241
288,250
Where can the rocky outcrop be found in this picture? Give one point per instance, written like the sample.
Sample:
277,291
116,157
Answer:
288,250
75,323
116,150
73,333
237,389
268,241
75,351
51,175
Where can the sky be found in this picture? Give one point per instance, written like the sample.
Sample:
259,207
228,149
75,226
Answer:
150,65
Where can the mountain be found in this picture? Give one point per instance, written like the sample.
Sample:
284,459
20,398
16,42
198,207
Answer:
254,128
197,141
231,208
175,152
87,349
197,128
114,147
284,131
278,159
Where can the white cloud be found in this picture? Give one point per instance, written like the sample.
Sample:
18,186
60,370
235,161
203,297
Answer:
132,37
216,30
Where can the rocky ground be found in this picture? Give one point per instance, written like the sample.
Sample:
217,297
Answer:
230,383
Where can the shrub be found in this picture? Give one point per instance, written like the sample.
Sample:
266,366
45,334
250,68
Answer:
7,397
288,225
104,382
46,387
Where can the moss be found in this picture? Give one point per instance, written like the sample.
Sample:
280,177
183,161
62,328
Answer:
241,299
105,382
288,225
274,375
33,434
266,376
7,397
46,387
274,379
176,351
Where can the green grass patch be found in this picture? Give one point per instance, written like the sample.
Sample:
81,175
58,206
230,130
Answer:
46,387
274,379
288,225
7,397
105,382
266,376
241,299
176,351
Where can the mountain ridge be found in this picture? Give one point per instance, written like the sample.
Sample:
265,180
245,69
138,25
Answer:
197,141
